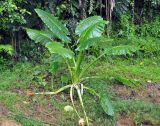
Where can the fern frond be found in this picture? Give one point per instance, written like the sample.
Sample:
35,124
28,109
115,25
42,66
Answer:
6,48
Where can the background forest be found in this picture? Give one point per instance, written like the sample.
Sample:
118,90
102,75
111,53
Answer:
119,40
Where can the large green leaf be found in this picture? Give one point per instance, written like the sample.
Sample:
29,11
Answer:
88,43
59,30
106,105
92,31
121,50
89,31
39,36
84,24
55,47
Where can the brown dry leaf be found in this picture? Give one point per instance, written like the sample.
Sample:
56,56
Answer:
30,93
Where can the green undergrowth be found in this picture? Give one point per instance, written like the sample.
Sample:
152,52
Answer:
22,77
27,121
9,99
139,111
18,76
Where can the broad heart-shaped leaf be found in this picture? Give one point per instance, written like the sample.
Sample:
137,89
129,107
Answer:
84,24
58,29
121,50
39,36
55,47
92,32
106,105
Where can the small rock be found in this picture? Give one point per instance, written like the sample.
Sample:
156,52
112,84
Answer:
149,81
68,108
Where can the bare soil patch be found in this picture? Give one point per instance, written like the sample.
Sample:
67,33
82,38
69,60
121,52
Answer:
3,111
39,111
150,92
9,123
125,121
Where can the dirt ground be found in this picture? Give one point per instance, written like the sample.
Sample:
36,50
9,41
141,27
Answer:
48,113
150,92
3,120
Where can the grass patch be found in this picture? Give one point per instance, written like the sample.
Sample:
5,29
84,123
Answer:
27,121
142,70
19,76
139,110
9,99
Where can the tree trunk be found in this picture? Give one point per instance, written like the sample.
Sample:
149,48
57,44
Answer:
82,7
110,4
138,10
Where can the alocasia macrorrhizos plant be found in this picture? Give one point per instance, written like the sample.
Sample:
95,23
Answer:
56,40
